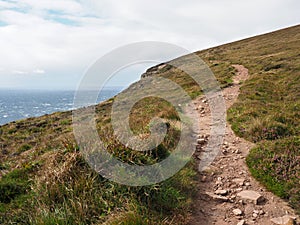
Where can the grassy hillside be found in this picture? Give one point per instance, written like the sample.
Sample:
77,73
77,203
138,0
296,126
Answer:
45,180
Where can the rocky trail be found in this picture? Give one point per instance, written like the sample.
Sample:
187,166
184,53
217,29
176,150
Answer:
227,193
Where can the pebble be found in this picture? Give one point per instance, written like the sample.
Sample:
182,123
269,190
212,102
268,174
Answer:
237,212
224,151
242,222
237,151
217,197
221,192
201,141
203,179
239,181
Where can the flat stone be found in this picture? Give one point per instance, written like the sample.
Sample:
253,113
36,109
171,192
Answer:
285,220
237,212
239,181
217,198
253,196
242,222
221,192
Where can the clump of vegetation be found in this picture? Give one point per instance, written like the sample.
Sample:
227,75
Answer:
24,148
277,165
13,184
65,190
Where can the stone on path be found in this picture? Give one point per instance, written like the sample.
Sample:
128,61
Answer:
217,197
237,212
242,222
201,141
239,181
221,192
285,220
253,196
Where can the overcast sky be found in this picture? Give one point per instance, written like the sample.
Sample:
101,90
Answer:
50,43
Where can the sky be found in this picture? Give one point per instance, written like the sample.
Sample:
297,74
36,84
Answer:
50,44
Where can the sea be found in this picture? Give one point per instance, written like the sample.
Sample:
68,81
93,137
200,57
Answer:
20,104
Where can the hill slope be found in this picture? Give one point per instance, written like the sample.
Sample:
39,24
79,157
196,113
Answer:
44,179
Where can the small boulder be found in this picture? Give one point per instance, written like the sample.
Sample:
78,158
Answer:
285,220
253,196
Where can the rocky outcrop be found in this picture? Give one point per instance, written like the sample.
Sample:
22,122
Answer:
156,70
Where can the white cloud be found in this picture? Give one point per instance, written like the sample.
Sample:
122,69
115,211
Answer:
40,34
66,6
39,71
19,72
6,5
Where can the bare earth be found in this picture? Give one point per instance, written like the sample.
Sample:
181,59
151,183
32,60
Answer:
229,175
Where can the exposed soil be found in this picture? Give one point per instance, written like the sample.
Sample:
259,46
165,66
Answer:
229,175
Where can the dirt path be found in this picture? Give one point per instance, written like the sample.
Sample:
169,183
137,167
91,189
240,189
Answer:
222,187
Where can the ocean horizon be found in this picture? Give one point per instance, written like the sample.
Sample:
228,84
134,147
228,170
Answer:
18,104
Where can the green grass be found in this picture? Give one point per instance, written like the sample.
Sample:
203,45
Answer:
67,191
16,195
24,148
276,165
63,189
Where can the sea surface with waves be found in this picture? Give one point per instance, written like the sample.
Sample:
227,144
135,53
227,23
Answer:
20,104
